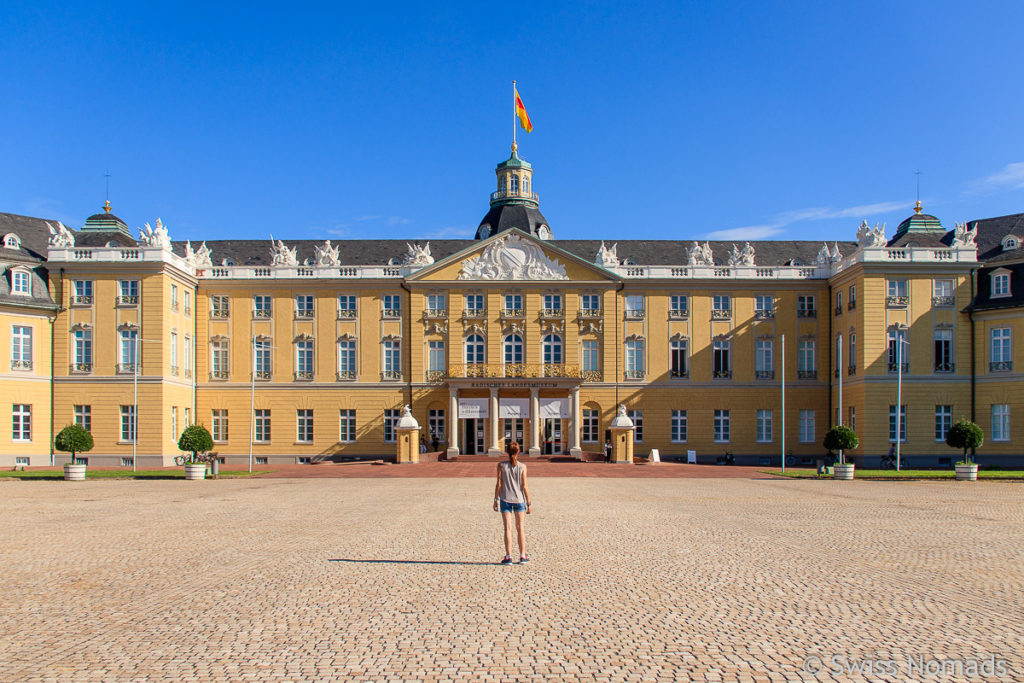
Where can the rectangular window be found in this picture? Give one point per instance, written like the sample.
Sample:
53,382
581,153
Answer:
347,359
852,424
128,424
220,359
852,359
128,292
851,298
892,424
188,302
304,359
436,425
1001,358
392,359
174,353
21,347
188,357
942,293
435,357
637,416
678,426
391,418
304,425
764,426
263,359
262,426
590,305
897,350
220,425
263,306
635,359
1001,285
346,306
514,305
174,297
21,422
347,426
721,307
807,426
1001,422
83,417
896,294
188,416
943,421
764,306
806,366
721,359
392,305
589,428
83,350
591,356
474,305
944,351
553,304
764,361
839,302
220,306
679,358
127,351
678,305
437,305
721,426
82,293
174,424
635,306
805,307
304,306
20,283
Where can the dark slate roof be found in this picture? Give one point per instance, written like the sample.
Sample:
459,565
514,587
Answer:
991,231
639,252
35,236
922,239
100,238
983,300
506,216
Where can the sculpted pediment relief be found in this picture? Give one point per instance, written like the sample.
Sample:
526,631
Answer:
512,258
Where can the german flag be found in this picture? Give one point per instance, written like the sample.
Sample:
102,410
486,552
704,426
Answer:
524,118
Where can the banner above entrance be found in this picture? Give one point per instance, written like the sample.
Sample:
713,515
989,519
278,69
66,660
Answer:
514,408
554,407
473,408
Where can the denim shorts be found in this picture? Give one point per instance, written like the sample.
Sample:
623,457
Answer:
511,507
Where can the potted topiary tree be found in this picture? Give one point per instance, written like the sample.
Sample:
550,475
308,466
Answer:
195,440
841,438
73,439
966,435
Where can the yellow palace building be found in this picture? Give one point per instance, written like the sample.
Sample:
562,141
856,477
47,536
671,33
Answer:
301,350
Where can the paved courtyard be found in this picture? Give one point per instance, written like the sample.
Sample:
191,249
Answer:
631,579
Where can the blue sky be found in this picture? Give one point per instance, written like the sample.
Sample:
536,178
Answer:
662,120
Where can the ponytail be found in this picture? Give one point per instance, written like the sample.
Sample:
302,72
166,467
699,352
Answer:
513,453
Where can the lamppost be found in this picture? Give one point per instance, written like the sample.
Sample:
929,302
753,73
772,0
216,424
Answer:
782,357
898,331
135,404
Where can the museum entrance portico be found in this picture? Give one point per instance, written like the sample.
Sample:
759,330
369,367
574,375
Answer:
542,414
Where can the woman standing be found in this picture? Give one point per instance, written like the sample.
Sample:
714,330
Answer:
512,496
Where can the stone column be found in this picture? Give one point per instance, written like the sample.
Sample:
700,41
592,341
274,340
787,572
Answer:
453,425
574,425
622,437
408,438
534,422
497,448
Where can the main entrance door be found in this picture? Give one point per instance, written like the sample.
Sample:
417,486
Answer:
512,428
474,436
553,439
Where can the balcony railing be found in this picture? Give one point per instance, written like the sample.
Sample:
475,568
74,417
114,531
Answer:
552,313
512,313
852,305
721,374
188,373
807,313
21,365
125,368
174,370
1001,366
839,310
435,376
851,369
188,310
764,374
896,301
721,313
264,375
435,313
128,300
635,374
474,313
532,370
807,374
220,313
590,312
943,301
346,313
679,314
634,314
262,313
82,300
764,314
894,367
590,375
346,375
506,194
390,375
219,374
81,367
304,313
676,373
392,313
303,375
945,367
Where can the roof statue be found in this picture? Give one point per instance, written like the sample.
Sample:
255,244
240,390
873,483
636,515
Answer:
60,237
871,237
826,255
407,421
741,257
281,255
198,258
155,237
607,258
699,255
418,255
512,258
962,237
326,255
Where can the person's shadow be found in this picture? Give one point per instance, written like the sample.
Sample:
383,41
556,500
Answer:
372,561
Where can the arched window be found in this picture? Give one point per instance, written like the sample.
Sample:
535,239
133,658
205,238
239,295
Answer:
12,241
513,349
526,185
552,349
515,184
474,349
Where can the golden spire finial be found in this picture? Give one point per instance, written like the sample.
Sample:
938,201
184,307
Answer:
106,206
917,207
515,147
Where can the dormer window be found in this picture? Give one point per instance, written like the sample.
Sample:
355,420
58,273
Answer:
21,283
1000,284
1010,242
12,241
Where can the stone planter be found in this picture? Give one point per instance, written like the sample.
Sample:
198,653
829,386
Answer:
74,472
967,472
843,471
195,471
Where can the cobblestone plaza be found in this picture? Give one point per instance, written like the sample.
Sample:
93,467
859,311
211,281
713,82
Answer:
379,579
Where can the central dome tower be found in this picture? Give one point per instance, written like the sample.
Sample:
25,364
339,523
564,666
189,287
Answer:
514,204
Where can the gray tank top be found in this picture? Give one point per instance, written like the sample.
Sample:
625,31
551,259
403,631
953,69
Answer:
511,489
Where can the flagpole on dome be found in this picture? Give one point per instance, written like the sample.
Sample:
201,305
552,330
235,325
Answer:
515,115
